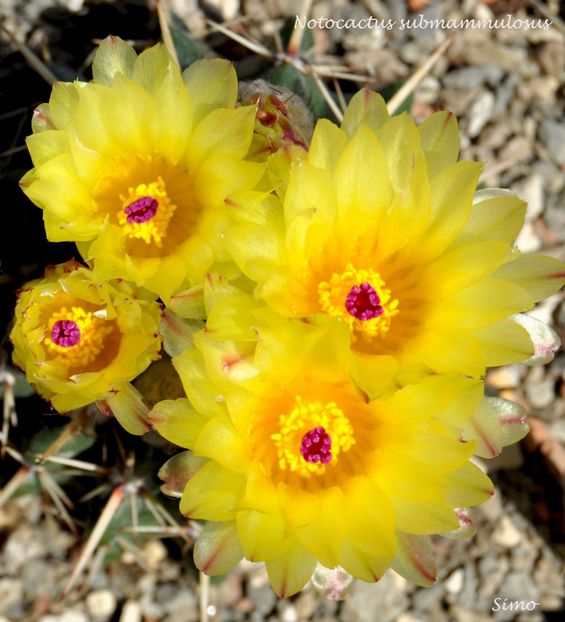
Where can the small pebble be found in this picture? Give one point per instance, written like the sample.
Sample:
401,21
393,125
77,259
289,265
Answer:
131,612
506,534
101,604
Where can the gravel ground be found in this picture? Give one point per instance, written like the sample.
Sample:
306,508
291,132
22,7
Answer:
507,89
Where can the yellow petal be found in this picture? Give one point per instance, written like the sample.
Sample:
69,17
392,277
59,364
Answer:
424,517
177,421
496,215
220,176
463,266
171,127
322,538
211,84
217,549
129,409
449,352
46,145
290,572
225,132
539,275
469,486
368,568
219,441
189,303
490,300
440,141
200,390
328,142
495,424
212,493
370,524
362,204
310,190
176,472
414,560
409,211
261,535
365,108
113,56
373,374
504,342
260,491
177,332
452,193
255,249
64,98
151,67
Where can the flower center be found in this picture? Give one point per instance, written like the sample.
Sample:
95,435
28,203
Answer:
360,298
363,302
76,336
311,436
316,446
141,210
146,212
65,333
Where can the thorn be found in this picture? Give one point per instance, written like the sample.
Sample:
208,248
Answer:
166,31
412,82
108,513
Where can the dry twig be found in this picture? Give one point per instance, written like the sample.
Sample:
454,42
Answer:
404,91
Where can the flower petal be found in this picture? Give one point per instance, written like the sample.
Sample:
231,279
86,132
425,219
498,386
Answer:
211,84
546,341
217,549
219,441
497,215
290,572
415,560
469,486
177,421
113,56
328,142
262,535
176,472
452,193
504,342
365,108
177,332
127,406
440,141
496,423
539,275
212,493
369,568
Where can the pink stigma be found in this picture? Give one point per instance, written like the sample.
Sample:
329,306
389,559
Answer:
316,446
363,302
65,333
141,210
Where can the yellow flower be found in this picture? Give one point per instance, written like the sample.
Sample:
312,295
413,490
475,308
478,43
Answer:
384,231
137,166
80,340
292,464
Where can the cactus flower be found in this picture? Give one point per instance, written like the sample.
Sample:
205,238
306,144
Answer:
383,230
80,340
292,465
136,165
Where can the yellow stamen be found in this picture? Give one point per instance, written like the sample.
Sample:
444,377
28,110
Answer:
155,228
93,332
333,295
304,417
